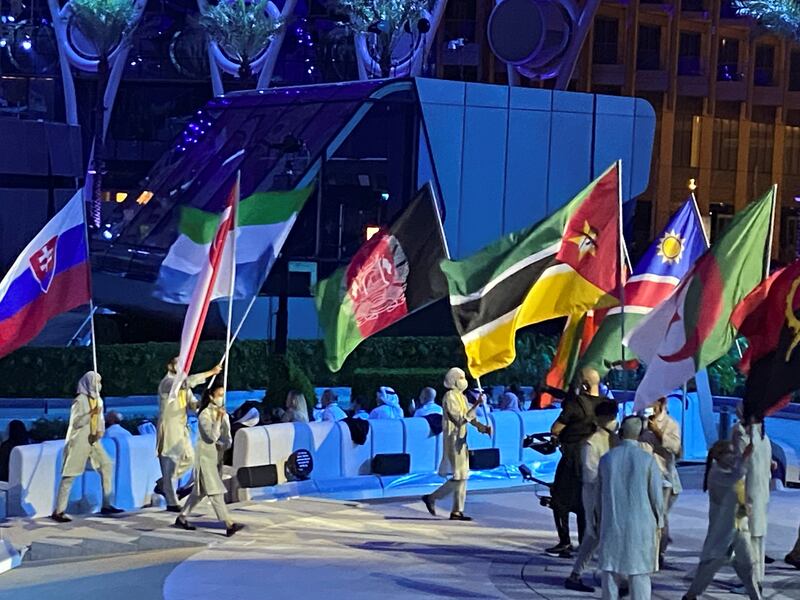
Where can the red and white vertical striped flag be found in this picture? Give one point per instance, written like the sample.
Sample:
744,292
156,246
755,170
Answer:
214,281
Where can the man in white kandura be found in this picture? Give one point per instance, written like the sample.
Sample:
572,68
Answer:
455,458
758,473
629,505
86,428
662,434
388,404
214,437
173,438
428,406
597,446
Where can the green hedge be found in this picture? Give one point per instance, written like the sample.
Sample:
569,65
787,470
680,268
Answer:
134,369
406,382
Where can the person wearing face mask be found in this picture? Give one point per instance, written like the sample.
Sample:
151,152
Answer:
594,448
571,429
86,428
214,429
455,459
173,439
388,405
727,521
663,437
758,473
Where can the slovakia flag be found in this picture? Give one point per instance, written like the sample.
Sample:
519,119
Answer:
50,277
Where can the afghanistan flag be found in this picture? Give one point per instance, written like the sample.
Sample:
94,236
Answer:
692,327
264,222
770,320
567,263
666,262
393,274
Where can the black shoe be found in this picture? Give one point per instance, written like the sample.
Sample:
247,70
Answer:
624,591
791,560
233,529
60,518
111,510
429,504
459,517
559,548
173,508
158,489
768,560
576,585
182,523
565,554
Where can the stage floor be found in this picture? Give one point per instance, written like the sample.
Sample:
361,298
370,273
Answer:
313,549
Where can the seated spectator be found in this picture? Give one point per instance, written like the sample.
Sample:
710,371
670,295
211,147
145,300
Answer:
17,436
357,408
114,428
482,413
316,414
428,406
509,401
296,408
331,411
388,405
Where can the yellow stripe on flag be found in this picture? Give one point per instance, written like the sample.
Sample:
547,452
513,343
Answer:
558,292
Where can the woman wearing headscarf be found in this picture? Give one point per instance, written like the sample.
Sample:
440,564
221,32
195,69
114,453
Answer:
86,428
727,521
214,429
455,458
296,408
509,401
388,405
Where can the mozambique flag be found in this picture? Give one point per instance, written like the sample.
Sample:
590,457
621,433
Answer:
666,262
576,337
770,320
393,274
692,328
567,263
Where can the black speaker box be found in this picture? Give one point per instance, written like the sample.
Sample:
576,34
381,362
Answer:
484,459
261,476
391,464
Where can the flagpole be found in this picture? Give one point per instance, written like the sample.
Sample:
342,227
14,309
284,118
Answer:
621,266
700,220
771,230
232,282
91,301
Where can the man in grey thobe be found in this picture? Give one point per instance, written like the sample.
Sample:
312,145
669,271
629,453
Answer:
629,506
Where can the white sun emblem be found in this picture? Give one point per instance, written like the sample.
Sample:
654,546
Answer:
670,247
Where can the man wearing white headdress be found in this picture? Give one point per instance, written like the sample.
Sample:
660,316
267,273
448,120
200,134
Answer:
86,428
173,439
630,507
388,405
455,458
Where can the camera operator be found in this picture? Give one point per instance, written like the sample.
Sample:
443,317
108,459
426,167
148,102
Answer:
573,426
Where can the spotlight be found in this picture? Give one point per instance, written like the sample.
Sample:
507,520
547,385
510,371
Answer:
3,42
372,230
107,235
27,44
385,196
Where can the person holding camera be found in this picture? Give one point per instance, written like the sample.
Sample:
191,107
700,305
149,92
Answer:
572,428
662,435
455,459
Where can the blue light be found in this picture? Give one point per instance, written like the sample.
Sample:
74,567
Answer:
3,42
107,234
26,45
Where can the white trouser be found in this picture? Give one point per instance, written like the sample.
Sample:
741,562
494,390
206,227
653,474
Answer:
585,552
170,471
669,500
742,564
757,548
217,503
639,586
457,487
64,488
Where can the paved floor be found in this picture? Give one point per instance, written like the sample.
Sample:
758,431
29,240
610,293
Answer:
317,549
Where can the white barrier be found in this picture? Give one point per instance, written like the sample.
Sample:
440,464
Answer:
342,468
